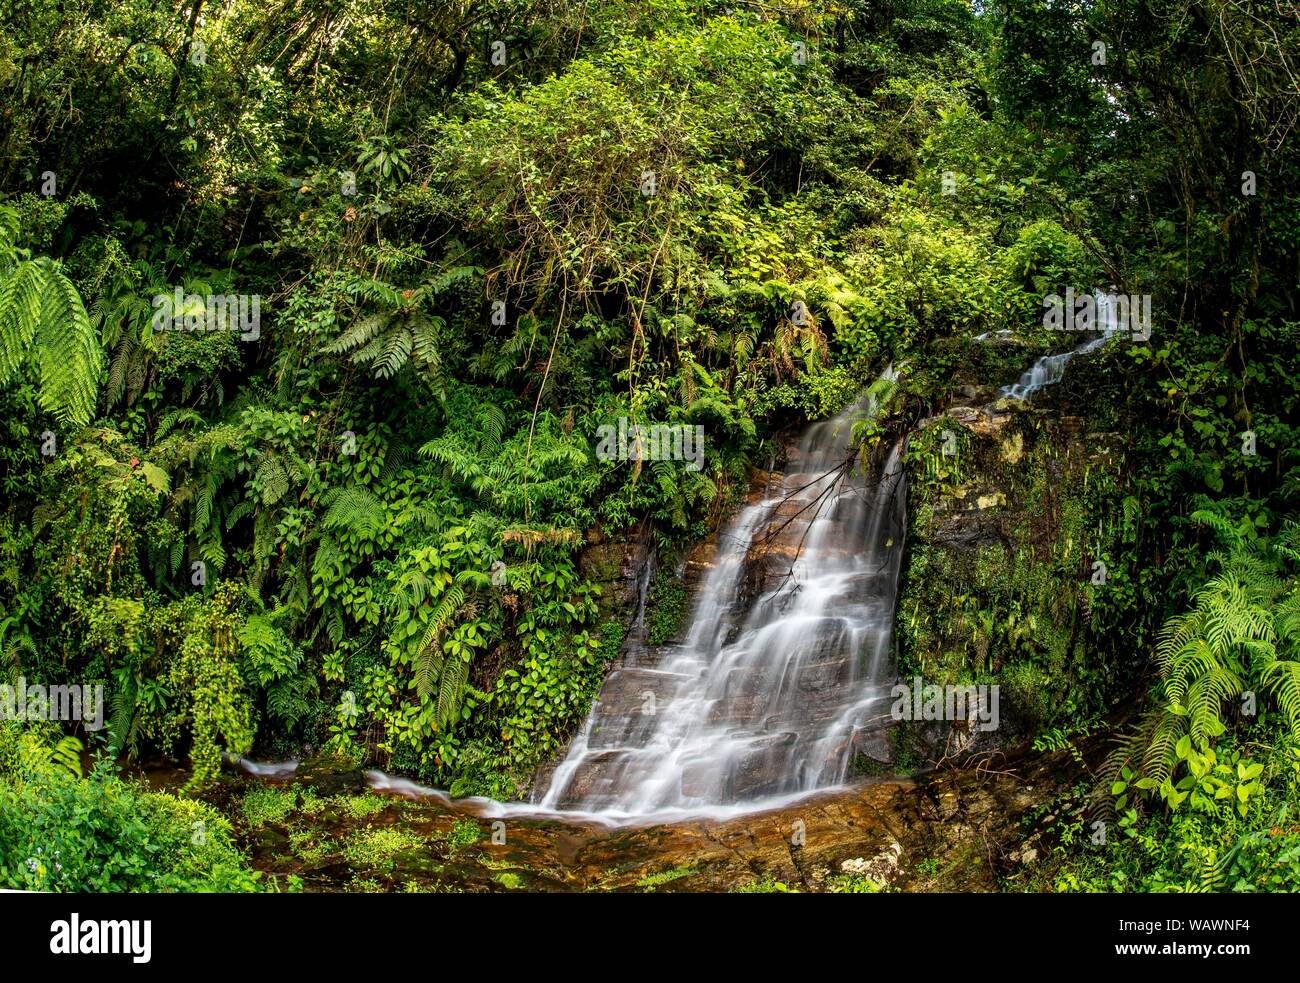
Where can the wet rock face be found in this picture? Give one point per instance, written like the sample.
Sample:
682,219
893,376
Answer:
619,566
628,702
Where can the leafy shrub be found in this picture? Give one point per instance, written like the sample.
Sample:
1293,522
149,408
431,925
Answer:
61,832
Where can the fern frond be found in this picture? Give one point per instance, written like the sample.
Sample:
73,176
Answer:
362,332
354,508
1160,756
451,689
20,314
395,353
1282,677
68,351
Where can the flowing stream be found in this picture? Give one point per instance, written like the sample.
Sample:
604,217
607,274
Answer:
1050,369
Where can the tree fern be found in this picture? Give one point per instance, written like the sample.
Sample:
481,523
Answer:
397,335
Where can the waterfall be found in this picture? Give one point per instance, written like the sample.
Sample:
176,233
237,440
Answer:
785,663
1050,369
785,668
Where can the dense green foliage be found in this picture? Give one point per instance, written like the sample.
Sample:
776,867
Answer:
62,832
479,232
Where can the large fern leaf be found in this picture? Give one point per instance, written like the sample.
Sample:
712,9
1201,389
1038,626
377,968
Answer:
68,350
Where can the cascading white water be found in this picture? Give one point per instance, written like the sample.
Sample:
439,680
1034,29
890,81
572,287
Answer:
766,699
1050,369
